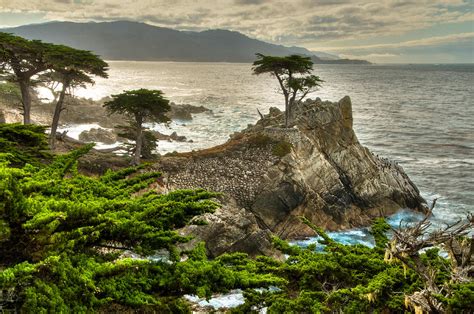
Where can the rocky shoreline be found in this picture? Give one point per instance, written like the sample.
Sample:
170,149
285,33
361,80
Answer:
270,176
316,169
85,111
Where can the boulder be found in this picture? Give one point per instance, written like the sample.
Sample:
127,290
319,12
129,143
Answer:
230,228
98,135
185,111
172,137
175,137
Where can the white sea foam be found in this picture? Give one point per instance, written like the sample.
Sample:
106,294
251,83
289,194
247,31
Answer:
74,130
222,301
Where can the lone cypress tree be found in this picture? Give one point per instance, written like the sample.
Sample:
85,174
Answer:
140,106
293,75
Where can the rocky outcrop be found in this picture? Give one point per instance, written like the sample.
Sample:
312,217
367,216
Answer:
230,228
98,135
316,168
84,111
185,111
170,138
329,177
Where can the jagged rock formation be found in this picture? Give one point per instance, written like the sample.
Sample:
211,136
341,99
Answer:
317,169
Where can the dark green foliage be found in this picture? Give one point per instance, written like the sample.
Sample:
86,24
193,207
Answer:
379,231
21,144
462,297
140,106
347,279
69,68
281,149
63,235
20,61
77,212
282,65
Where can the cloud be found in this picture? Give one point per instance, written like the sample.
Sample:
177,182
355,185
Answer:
373,55
431,41
246,2
321,23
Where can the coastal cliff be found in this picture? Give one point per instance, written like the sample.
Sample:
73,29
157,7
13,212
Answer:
316,168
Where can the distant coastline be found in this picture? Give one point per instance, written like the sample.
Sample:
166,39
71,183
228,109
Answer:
125,40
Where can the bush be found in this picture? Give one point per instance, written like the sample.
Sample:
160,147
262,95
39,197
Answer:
281,149
63,236
22,144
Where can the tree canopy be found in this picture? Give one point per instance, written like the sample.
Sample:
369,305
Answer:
293,74
23,59
70,68
140,106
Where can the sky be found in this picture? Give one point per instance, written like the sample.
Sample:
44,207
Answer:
381,31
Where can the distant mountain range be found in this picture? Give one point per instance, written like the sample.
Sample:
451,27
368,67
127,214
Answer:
125,40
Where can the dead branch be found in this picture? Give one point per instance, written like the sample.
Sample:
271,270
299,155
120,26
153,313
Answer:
406,244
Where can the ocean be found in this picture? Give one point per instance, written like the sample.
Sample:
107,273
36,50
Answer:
420,116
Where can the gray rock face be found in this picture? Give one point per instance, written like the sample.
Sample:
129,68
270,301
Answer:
316,168
338,183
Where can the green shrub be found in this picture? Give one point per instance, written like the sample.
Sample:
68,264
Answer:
63,236
23,143
281,149
259,140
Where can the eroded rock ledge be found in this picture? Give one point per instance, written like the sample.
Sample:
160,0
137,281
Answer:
317,169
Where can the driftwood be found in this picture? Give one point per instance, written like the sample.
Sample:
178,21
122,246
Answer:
454,238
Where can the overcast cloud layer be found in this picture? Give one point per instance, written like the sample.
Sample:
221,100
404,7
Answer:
382,31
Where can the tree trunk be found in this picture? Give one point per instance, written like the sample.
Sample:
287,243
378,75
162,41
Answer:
288,101
57,113
26,100
138,147
286,94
